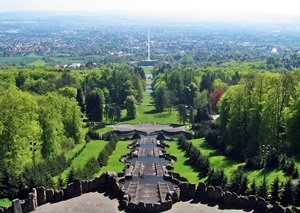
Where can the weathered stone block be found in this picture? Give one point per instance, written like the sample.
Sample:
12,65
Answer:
164,206
243,202
85,186
25,206
176,195
227,198
32,201
157,207
218,193
132,206
252,201
169,204
191,191
58,195
94,184
277,209
49,195
235,199
141,207
201,190
183,189
9,210
124,203
210,192
41,195
16,204
260,204
149,207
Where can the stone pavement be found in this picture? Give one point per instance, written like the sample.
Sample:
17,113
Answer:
149,127
95,202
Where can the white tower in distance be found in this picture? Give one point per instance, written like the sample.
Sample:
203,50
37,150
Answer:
149,59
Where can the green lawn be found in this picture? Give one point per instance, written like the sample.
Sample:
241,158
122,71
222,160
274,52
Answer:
92,149
69,154
146,113
5,202
181,166
147,70
105,129
230,166
114,163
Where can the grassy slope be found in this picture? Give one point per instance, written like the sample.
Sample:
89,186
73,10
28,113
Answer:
93,148
181,166
114,163
146,113
230,166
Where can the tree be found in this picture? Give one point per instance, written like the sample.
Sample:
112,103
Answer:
118,112
160,97
112,114
182,114
214,98
275,190
130,104
50,119
94,105
18,126
80,100
263,189
287,196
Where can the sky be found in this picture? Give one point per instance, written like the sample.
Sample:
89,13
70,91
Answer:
185,7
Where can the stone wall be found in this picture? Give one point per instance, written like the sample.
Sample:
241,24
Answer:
39,196
109,182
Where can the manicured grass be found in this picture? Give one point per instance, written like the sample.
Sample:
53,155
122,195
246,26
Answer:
146,113
182,166
114,163
147,70
105,129
92,149
217,161
69,154
230,166
5,202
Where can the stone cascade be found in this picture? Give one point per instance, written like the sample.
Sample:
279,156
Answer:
147,190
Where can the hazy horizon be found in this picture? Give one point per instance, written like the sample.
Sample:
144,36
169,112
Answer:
213,9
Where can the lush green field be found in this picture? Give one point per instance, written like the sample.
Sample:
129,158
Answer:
182,166
5,202
92,149
105,129
230,166
23,59
69,154
147,70
114,163
37,63
146,113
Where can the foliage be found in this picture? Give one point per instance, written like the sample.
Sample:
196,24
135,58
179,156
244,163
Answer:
130,104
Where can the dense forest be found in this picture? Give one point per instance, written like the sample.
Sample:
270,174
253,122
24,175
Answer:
47,107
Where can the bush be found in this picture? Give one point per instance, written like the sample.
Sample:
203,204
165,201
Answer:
217,178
